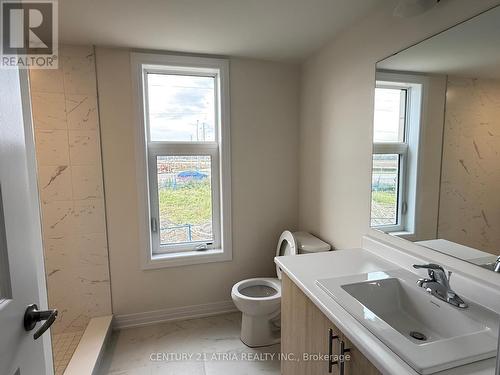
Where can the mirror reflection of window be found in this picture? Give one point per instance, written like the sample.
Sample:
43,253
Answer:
390,114
390,149
396,132
385,189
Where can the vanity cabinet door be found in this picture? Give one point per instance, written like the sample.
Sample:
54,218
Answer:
305,329
304,332
358,364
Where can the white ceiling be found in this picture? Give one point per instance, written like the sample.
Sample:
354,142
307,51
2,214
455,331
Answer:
285,30
471,49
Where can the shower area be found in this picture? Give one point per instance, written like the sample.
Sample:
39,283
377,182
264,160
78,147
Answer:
66,125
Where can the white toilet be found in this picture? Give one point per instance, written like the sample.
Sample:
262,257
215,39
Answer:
259,299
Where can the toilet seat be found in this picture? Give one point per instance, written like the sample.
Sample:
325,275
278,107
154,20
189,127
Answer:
239,289
287,245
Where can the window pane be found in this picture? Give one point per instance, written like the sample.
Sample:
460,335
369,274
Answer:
185,199
181,107
389,115
385,184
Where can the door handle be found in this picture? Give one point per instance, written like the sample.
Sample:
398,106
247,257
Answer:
331,362
32,316
343,350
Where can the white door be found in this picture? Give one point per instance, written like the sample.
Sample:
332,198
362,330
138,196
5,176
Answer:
22,279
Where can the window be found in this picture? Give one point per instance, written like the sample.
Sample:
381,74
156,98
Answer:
390,152
184,143
397,124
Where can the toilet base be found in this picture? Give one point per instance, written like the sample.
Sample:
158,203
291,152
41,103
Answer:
258,331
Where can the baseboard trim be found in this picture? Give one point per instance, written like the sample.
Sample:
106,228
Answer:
176,313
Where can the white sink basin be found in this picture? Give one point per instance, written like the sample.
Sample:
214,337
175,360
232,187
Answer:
427,333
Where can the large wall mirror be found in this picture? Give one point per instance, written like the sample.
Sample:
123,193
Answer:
436,144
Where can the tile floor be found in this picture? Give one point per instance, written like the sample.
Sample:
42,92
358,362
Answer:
205,346
63,347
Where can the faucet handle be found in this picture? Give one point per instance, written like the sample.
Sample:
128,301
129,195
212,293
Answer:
432,269
430,266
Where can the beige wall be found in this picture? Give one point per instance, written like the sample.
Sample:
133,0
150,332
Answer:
336,117
65,117
264,142
470,204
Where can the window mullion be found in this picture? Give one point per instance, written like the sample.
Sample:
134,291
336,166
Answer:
390,148
182,149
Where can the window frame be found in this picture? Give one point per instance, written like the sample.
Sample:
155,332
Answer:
154,255
416,113
400,148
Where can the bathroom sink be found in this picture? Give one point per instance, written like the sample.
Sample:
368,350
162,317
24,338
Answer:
427,333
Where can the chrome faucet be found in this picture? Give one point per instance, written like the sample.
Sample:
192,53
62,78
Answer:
496,267
438,284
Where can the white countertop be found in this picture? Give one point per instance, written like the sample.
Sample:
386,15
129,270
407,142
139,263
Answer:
304,270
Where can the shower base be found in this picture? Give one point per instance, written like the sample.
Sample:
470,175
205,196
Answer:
63,347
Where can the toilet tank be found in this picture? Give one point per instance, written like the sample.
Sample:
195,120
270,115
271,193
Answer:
307,243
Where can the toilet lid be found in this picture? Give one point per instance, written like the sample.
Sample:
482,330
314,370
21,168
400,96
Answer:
287,245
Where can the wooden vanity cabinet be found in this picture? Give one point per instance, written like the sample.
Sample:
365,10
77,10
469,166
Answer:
305,331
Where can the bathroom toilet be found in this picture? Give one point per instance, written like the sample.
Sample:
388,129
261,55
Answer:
259,299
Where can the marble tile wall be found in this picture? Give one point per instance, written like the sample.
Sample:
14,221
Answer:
64,104
470,182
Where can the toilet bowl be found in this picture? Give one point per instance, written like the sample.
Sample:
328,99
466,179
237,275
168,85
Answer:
259,299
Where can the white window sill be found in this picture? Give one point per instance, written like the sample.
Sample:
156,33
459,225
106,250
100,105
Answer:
403,234
186,258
